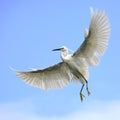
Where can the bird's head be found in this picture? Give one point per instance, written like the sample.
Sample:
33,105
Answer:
64,51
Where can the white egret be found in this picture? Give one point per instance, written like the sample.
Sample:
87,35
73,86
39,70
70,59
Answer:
74,67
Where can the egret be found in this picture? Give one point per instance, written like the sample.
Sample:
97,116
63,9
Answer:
74,67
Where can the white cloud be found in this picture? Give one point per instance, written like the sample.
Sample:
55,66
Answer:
97,110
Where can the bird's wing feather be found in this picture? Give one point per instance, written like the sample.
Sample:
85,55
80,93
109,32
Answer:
96,41
56,76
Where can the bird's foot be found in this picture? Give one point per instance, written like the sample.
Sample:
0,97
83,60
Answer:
81,96
88,92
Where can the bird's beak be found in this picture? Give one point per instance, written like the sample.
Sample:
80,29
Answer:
57,49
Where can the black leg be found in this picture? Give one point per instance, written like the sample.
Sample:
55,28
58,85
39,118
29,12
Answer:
81,95
88,92
87,87
82,87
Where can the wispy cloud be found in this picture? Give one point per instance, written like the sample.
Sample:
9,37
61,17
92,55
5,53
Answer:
99,110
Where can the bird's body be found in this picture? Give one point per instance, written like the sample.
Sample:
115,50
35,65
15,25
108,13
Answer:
74,67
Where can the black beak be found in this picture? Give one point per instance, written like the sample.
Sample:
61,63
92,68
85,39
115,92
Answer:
57,49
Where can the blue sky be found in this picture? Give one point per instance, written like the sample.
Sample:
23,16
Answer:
29,30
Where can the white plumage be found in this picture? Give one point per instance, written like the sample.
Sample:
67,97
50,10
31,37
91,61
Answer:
74,67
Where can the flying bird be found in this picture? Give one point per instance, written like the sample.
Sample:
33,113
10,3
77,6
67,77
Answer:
74,67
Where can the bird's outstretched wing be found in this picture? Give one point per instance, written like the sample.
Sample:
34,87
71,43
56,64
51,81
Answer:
96,38
55,76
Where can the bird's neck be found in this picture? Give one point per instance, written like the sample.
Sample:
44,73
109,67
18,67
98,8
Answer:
64,55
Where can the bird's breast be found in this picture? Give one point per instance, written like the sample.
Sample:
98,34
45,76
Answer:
67,58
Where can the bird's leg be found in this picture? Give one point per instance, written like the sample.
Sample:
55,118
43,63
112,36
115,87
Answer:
81,95
88,92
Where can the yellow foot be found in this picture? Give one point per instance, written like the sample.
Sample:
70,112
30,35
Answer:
88,92
81,96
